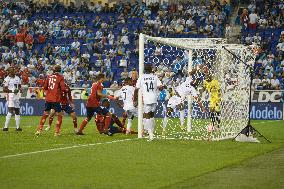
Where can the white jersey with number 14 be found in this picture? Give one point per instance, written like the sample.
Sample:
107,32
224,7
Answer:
149,84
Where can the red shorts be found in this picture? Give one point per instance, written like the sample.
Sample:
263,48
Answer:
252,26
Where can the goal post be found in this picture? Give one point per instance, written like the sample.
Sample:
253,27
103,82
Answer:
189,98
192,53
141,71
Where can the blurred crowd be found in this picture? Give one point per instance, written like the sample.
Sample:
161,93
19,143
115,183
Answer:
94,38
262,23
98,38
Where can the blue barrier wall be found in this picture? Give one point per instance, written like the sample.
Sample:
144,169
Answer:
260,110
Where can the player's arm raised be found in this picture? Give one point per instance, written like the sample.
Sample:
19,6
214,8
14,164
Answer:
159,84
194,94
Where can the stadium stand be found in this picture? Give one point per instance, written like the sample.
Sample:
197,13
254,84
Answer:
95,38
262,24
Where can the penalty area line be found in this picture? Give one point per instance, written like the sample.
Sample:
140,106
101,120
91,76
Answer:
66,148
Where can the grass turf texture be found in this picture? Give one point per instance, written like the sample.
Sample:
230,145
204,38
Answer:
135,163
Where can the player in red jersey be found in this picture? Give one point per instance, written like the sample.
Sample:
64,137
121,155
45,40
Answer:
93,105
100,122
67,105
54,85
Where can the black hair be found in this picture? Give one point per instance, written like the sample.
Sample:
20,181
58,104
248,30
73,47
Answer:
148,68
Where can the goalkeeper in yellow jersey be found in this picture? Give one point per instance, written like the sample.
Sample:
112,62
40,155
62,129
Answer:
213,88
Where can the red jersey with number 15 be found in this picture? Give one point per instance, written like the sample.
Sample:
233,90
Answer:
54,86
94,99
66,97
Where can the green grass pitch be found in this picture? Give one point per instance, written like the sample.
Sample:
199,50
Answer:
97,161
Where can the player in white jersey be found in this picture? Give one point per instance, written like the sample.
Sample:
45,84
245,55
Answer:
126,93
177,101
149,84
12,88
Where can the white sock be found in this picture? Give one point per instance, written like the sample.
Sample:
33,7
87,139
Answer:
165,122
8,117
150,129
153,123
181,117
129,124
17,119
145,127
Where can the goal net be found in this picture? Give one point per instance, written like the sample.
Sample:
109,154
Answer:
172,59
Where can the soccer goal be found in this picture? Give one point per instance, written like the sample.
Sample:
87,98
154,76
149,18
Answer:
173,58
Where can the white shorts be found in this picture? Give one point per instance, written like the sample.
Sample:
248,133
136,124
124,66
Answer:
149,108
13,101
174,101
20,44
131,113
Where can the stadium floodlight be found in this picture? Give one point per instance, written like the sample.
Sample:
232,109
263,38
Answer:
194,53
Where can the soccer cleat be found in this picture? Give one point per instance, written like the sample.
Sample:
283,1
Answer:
56,134
19,129
108,133
128,132
80,133
47,128
76,130
37,133
5,129
182,128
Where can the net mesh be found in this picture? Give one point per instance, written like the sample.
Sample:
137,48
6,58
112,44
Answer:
172,58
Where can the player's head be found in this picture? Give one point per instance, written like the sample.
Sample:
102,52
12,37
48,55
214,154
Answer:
11,71
57,69
105,103
128,81
101,77
148,68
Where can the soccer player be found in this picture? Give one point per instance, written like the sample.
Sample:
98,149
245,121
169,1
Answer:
213,87
54,86
12,86
126,93
93,105
149,84
67,105
177,101
114,120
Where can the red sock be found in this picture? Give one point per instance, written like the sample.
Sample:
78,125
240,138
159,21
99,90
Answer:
75,122
83,124
107,123
58,124
42,121
50,120
117,121
124,116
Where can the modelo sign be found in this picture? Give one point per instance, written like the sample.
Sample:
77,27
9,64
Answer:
270,111
265,110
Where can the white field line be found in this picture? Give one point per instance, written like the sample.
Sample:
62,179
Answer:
265,122
84,145
66,148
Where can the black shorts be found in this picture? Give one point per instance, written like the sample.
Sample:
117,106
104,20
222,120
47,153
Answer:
67,108
99,110
53,105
